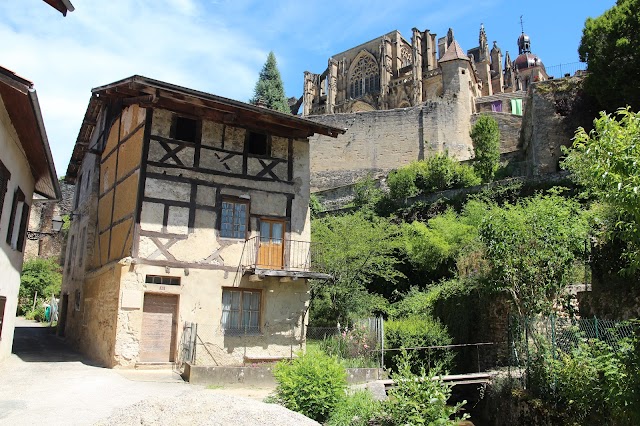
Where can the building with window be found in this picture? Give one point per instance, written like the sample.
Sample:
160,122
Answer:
189,208
407,99
26,168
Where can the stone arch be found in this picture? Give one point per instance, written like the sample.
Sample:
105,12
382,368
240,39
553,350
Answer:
361,106
364,75
405,56
404,104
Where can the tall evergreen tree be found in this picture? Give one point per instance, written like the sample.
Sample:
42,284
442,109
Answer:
269,88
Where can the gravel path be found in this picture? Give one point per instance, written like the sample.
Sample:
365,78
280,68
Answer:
205,408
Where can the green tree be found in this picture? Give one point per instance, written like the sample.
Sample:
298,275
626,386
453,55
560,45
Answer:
611,47
269,89
355,249
531,248
39,275
605,161
485,135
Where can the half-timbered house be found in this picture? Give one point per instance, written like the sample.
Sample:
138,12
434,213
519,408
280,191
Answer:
193,208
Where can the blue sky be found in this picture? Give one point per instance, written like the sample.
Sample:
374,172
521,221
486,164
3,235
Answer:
219,46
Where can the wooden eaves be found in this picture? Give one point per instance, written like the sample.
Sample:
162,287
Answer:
21,101
148,92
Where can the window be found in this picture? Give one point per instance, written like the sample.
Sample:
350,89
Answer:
234,219
76,304
365,78
24,222
185,129
241,311
4,180
257,144
158,279
18,198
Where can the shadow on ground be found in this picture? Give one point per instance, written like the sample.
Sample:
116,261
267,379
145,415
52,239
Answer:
33,342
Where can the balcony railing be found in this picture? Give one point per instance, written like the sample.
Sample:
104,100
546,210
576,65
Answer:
281,257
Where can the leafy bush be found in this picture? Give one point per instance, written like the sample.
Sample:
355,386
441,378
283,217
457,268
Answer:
436,173
311,384
593,383
37,314
485,135
442,172
38,275
402,181
356,409
434,246
414,332
351,343
419,399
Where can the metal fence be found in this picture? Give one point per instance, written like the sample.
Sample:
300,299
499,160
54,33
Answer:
530,337
561,70
359,344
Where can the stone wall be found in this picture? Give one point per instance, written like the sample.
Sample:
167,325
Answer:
554,110
40,220
379,141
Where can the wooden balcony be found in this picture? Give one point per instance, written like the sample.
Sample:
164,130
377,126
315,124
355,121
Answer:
287,259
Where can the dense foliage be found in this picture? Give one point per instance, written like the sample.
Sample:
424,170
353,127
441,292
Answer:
605,161
419,399
610,45
311,384
531,248
269,89
485,135
436,173
593,383
356,250
41,276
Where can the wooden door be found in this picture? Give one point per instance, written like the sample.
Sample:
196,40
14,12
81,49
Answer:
159,322
271,249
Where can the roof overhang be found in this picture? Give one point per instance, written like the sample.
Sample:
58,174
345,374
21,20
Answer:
62,6
21,101
147,92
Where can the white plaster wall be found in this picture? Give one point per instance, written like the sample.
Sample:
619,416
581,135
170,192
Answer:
14,159
200,301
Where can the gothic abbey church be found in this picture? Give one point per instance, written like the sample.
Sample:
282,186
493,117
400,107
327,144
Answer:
402,101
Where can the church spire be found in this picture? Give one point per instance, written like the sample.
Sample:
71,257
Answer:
484,45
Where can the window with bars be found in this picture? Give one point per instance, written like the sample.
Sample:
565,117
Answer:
240,311
233,223
159,279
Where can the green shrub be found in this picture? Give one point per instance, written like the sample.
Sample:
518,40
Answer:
38,275
419,399
353,342
414,332
311,384
36,314
402,182
593,383
485,135
436,173
356,409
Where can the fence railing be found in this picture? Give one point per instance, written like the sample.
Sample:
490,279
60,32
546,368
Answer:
288,255
530,337
561,70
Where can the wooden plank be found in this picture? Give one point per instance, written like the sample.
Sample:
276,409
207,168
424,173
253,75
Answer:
159,322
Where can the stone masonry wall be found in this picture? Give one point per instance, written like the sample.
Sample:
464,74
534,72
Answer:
379,141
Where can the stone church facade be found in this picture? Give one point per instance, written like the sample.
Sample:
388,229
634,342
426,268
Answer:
402,101
391,72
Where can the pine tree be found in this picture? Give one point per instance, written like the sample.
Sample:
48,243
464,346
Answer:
269,88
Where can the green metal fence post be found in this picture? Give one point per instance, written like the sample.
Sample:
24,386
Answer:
595,320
